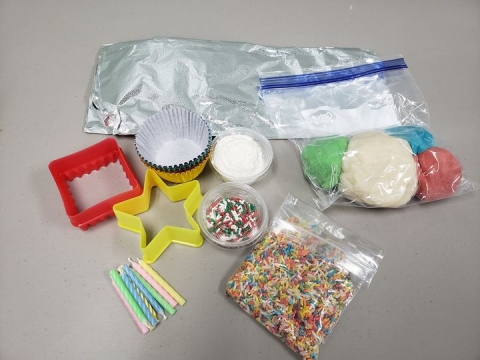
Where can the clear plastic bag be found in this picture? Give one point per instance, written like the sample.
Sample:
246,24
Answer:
299,279
217,79
396,167
361,97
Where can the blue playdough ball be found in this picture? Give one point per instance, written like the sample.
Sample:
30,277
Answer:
418,137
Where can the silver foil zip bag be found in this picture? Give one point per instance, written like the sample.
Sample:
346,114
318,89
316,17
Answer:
217,79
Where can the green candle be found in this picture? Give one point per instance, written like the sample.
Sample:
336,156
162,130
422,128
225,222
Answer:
128,297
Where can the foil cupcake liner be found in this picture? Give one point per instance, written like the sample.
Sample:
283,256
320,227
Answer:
179,169
184,176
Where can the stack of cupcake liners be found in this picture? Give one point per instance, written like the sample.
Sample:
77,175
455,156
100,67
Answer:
175,143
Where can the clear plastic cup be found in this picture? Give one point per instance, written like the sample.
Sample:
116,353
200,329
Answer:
232,216
241,155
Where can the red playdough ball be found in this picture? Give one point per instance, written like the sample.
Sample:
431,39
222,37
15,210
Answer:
440,174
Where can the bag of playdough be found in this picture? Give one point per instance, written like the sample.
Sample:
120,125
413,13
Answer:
341,101
300,278
392,168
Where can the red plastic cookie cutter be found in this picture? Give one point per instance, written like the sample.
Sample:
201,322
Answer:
83,162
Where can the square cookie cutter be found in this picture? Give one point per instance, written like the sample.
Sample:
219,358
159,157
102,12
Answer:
83,162
126,212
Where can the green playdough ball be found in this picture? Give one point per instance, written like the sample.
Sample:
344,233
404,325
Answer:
322,160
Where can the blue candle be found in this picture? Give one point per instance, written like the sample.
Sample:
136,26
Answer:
131,287
158,308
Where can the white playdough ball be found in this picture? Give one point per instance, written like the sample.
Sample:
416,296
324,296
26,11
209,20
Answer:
379,170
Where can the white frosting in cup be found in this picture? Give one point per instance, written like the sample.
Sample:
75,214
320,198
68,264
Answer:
238,157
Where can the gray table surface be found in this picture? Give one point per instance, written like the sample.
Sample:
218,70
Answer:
56,301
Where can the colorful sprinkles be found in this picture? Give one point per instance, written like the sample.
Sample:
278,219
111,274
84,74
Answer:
231,219
298,294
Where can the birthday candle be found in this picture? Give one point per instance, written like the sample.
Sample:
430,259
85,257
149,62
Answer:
162,282
141,326
143,291
147,275
168,308
129,299
128,283
147,304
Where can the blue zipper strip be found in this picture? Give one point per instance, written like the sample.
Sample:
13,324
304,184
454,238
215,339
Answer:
332,76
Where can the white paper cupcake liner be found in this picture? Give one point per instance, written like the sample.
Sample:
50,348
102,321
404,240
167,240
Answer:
173,140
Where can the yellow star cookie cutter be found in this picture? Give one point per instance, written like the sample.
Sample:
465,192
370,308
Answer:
127,210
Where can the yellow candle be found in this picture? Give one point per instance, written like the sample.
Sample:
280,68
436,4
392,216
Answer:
147,304
175,295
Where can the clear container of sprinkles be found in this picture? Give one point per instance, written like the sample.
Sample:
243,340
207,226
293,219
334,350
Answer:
241,155
232,216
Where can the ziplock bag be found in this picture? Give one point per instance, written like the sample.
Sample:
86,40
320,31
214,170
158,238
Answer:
363,96
217,79
397,167
300,278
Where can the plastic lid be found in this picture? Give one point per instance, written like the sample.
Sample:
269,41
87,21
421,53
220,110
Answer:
241,155
232,216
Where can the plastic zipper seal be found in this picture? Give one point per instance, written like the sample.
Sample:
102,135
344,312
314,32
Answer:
332,76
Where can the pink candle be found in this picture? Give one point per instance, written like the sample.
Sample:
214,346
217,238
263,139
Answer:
153,283
141,326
